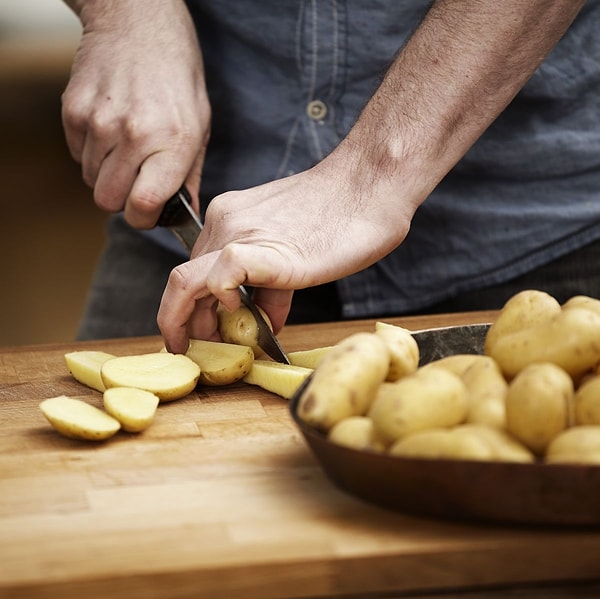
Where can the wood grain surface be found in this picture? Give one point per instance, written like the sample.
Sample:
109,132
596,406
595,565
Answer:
221,498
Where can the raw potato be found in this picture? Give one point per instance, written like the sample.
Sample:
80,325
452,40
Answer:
487,389
169,376
356,432
539,405
240,328
580,444
504,447
220,363
436,443
308,358
85,366
430,398
456,363
281,379
464,442
403,348
345,382
583,301
523,310
76,419
587,402
569,340
133,408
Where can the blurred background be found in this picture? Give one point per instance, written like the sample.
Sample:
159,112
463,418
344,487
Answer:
51,233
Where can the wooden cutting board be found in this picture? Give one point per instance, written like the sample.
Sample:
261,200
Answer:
221,498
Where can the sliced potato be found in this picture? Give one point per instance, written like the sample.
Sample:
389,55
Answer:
169,376
281,379
220,363
76,419
309,358
403,349
240,328
133,408
85,366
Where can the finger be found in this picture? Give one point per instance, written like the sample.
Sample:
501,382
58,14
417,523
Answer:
74,125
276,303
181,297
160,176
240,264
116,176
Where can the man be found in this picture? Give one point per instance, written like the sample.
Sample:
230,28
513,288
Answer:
334,128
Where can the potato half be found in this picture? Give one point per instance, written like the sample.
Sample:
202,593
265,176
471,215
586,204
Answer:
169,376
85,367
133,408
220,363
76,419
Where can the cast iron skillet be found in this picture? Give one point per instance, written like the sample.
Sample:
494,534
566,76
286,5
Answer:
501,492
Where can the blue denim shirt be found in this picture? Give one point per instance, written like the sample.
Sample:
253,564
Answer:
288,78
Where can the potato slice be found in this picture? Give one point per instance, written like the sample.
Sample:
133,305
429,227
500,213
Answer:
308,358
282,379
85,366
169,376
133,408
220,363
239,327
76,419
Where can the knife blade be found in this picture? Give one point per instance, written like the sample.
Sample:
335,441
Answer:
179,216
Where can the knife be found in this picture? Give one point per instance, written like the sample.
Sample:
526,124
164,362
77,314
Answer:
179,216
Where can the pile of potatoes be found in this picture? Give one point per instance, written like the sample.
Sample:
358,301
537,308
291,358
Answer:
532,396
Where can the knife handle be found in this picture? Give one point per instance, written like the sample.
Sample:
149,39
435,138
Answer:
174,212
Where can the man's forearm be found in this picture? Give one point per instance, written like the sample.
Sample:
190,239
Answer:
460,69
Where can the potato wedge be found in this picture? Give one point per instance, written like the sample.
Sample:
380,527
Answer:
403,349
76,419
85,366
240,328
133,408
220,363
281,379
169,376
308,358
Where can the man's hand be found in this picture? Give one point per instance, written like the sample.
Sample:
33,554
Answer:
459,70
135,111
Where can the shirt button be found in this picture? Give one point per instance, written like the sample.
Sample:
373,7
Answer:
316,110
